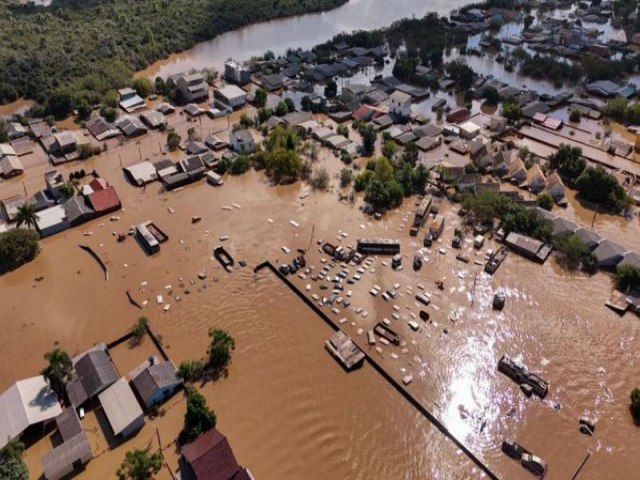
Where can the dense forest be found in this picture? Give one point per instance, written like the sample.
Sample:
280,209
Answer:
94,46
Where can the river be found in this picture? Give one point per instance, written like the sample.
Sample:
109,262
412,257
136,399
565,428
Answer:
303,31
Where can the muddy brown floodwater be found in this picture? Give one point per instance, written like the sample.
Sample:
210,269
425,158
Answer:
289,410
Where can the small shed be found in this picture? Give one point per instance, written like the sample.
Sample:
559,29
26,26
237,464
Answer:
122,409
154,381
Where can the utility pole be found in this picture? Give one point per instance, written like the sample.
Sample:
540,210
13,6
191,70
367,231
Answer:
594,215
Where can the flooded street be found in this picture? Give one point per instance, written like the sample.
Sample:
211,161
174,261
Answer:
289,410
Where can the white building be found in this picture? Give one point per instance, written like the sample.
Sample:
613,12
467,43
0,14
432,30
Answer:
237,72
469,130
400,104
230,96
193,88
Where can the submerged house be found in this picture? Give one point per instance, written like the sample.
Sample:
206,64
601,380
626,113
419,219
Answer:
27,403
122,410
155,381
93,373
242,141
609,254
528,247
209,457
193,87
72,453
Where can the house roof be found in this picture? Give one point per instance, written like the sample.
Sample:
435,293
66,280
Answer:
76,208
94,372
155,377
608,253
400,97
101,129
242,135
211,458
562,225
630,258
588,237
120,406
11,164
27,402
231,91
98,183
6,149
104,200
130,125
142,173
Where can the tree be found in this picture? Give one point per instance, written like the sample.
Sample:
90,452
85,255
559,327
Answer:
343,130
139,464
61,102
220,348
260,98
306,103
173,140
320,179
109,113
346,177
291,106
12,466
27,215
191,370
281,109
199,418
574,116
67,190
59,371
245,121
17,247
460,73
161,86
331,89
596,185
572,251
410,154
139,330
143,87
545,201
491,95
240,165
627,277
389,149
264,114
568,161
368,140
528,21
635,404
512,111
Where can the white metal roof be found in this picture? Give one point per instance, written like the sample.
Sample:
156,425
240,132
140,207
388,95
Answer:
27,402
120,405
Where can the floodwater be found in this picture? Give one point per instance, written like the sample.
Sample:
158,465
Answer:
304,31
289,410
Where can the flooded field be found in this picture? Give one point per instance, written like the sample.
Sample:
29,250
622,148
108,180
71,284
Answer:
289,410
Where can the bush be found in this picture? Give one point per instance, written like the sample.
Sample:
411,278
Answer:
173,140
12,466
139,464
17,247
572,252
139,330
346,177
191,370
575,116
320,179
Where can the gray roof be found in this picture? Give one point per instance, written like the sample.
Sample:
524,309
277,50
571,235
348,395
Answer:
562,225
155,377
428,130
94,372
120,406
194,148
242,135
608,253
630,258
588,237
77,209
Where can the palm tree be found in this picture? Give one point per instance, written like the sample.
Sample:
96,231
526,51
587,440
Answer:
59,371
27,215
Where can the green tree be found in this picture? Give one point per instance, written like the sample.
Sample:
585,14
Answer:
545,201
369,137
143,87
635,404
572,251
512,111
627,277
199,418
139,330
140,464
67,190
596,185
173,140
260,98
240,165
291,106
491,95
306,103
410,154
281,109
61,102
264,114
346,177
27,215
12,466
59,371
161,86
460,73
191,370
331,89
220,348
575,116
568,161
389,149
17,247
343,130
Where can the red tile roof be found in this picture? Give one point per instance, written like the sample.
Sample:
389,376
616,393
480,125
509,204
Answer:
98,184
105,200
211,458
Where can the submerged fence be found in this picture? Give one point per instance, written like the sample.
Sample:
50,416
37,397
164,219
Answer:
394,382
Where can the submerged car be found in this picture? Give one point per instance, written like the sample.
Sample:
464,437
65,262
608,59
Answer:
534,464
